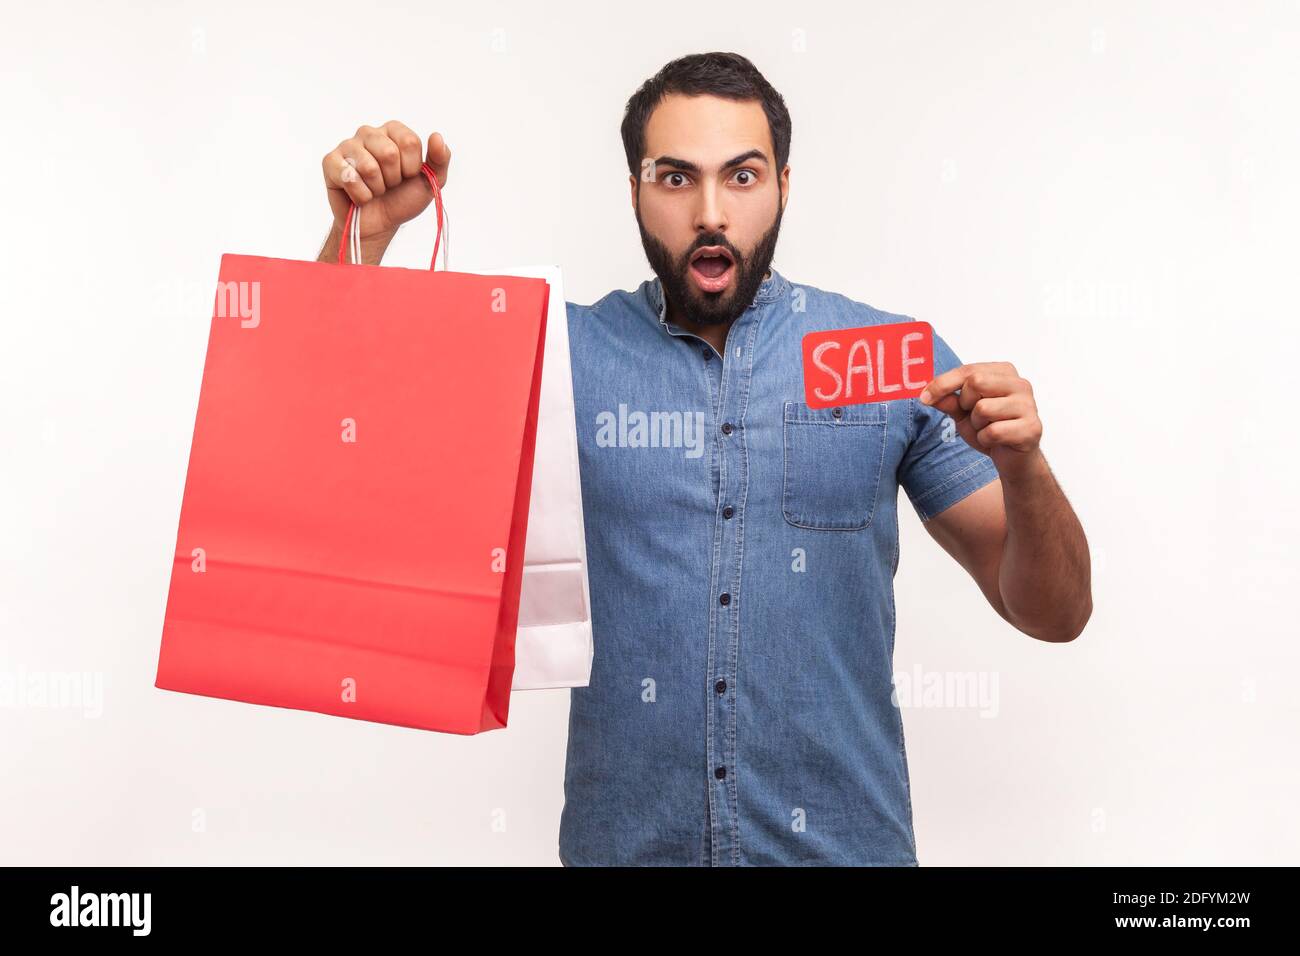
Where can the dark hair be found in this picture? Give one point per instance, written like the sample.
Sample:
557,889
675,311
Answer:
728,75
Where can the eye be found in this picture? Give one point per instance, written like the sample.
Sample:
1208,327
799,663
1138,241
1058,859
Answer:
668,179
752,178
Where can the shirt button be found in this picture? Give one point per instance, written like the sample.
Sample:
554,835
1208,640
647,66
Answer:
837,412
720,687
720,772
727,512
725,599
726,428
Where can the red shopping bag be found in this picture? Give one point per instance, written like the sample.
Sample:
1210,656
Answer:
352,533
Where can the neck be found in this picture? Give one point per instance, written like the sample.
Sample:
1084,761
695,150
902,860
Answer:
715,335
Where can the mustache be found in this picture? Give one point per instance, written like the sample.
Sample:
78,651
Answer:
713,240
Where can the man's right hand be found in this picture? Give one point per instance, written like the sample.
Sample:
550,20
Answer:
378,168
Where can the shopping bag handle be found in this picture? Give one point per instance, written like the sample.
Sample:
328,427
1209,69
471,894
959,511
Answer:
352,225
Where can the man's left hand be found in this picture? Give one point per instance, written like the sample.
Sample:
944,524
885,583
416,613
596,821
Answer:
994,410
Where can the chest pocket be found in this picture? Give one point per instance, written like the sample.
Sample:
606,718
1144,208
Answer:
833,460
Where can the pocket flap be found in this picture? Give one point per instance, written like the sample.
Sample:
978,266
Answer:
872,413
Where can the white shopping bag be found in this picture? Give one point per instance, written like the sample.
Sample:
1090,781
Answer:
553,646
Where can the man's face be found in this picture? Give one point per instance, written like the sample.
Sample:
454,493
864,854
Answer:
709,203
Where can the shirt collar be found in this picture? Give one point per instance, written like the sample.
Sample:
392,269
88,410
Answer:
771,289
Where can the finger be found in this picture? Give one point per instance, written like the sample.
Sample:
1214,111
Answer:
950,405
439,157
386,153
989,380
970,393
341,173
408,146
1011,433
944,384
996,409
367,166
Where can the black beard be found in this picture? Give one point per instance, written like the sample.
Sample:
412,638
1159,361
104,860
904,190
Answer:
710,308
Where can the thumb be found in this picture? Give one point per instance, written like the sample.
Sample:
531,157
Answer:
439,157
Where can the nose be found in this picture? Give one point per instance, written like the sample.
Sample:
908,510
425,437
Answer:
709,214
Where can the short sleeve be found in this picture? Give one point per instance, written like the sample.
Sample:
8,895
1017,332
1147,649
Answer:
939,468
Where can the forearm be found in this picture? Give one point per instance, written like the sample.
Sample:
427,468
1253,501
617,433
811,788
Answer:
372,247
1045,577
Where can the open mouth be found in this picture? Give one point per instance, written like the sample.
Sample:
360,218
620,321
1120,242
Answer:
712,267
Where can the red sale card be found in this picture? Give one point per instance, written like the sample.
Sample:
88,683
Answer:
878,363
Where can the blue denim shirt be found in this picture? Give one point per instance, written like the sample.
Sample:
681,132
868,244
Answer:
742,550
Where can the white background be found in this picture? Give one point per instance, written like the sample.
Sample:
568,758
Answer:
1104,194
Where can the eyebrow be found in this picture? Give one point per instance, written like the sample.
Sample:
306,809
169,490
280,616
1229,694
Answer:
687,166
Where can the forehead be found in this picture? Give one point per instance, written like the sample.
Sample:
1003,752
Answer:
707,130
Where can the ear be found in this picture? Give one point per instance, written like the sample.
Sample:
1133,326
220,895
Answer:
631,182
785,186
